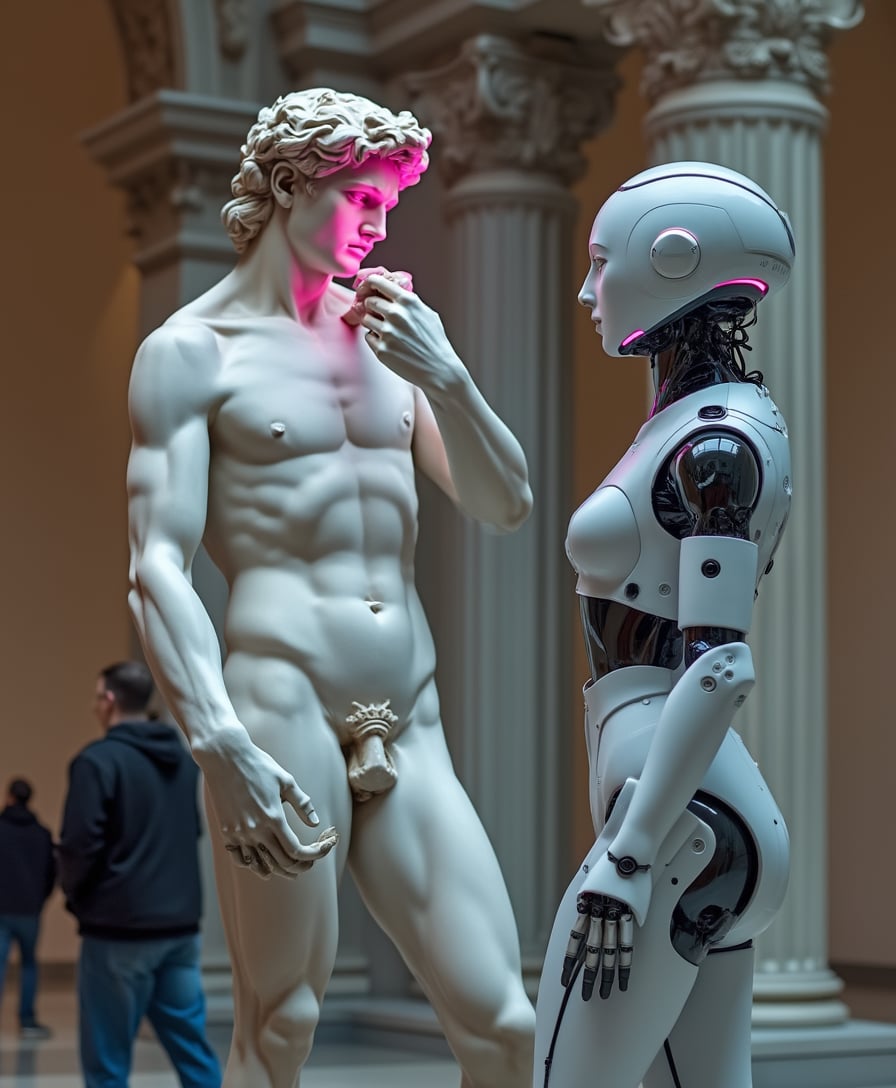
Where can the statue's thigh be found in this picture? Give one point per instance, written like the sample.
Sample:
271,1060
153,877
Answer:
428,873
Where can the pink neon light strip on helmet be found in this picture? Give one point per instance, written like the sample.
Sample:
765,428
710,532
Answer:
760,285
632,336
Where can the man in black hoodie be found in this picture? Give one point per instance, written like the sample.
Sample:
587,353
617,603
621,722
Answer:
130,871
28,873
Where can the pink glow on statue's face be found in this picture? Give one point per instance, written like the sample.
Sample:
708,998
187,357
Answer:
760,285
333,230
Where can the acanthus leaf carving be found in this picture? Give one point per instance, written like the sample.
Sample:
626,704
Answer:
233,27
502,104
144,27
686,41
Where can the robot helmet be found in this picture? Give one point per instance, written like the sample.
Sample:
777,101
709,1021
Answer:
677,236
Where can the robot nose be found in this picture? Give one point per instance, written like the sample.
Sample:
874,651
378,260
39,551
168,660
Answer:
586,296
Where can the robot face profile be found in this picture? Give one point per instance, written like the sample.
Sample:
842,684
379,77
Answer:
674,237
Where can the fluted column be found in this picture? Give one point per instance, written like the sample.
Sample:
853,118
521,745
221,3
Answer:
507,122
740,84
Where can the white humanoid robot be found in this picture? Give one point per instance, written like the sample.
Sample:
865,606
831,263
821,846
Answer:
648,973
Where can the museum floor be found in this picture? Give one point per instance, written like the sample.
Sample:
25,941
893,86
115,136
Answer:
857,1055
54,1063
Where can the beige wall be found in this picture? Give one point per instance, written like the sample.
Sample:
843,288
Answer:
70,318
861,375
69,311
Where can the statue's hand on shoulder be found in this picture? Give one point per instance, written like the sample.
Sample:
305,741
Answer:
407,336
248,791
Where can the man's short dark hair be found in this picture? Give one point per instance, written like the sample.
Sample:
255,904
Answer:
130,683
20,791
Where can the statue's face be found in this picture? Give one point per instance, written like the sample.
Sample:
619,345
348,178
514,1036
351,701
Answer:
334,229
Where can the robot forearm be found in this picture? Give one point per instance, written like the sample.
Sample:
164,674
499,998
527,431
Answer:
691,728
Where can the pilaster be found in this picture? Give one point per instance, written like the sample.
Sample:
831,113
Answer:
508,119
173,154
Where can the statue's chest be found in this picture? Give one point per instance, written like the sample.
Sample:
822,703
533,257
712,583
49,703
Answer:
278,409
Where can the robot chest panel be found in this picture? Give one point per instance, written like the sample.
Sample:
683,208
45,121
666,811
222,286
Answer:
617,547
623,541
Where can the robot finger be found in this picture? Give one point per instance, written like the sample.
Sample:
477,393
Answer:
608,972
592,948
626,939
576,944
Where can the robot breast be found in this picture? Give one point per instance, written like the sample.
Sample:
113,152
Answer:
603,543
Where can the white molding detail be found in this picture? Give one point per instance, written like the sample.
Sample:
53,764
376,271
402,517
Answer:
375,39
174,154
689,41
147,37
232,18
502,104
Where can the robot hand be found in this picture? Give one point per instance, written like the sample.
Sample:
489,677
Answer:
602,939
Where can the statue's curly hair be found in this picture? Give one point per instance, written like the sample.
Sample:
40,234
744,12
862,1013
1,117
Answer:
318,132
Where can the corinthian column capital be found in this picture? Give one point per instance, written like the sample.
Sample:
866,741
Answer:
689,41
502,104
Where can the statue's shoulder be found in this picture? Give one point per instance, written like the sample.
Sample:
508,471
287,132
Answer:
178,364
183,341
182,332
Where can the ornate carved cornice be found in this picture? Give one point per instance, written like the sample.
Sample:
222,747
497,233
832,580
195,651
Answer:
147,41
173,155
378,39
689,41
502,104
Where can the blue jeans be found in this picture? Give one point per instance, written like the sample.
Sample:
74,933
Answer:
23,929
120,982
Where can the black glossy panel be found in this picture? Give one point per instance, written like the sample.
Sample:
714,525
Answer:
708,486
720,894
617,635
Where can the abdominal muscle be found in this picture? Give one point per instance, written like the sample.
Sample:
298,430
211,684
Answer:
352,647
318,553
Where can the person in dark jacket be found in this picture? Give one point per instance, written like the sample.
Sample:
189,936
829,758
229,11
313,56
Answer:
27,876
129,867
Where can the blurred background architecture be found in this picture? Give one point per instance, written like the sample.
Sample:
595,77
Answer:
124,120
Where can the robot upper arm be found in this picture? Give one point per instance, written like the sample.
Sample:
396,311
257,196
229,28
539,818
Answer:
717,477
